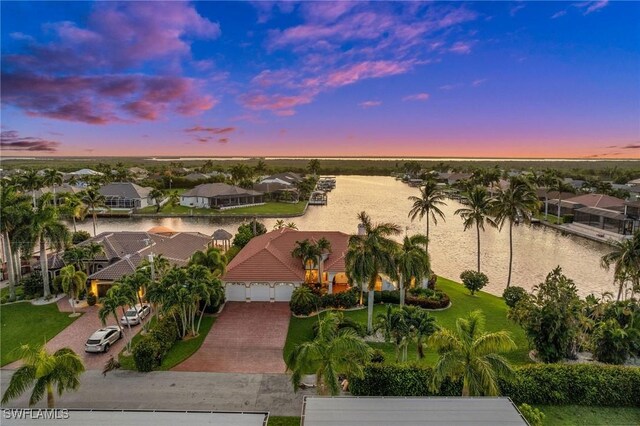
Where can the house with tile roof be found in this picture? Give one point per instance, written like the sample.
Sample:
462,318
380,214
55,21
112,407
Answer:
264,270
126,195
221,196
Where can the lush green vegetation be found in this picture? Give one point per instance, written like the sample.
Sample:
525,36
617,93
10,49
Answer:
494,308
179,352
24,323
269,208
283,421
569,415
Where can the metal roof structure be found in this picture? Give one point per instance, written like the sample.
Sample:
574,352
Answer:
142,418
610,214
459,411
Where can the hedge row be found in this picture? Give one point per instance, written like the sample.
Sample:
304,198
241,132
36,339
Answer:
436,300
544,384
151,349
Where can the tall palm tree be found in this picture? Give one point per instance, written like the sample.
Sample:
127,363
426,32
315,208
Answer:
309,253
625,258
560,186
334,351
422,326
371,254
30,181
74,208
396,328
174,198
118,296
314,166
412,262
471,354
428,205
52,178
477,211
514,204
94,200
212,259
44,371
47,228
14,209
72,283
261,168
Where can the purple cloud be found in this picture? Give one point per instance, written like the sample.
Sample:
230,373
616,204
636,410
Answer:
417,97
212,130
558,14
369,104
591,6
11,141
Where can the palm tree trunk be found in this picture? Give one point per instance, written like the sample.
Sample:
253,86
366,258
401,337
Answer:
73,217
620,287
426,244
559,206
44,268
320,273
546,205
478,233
465,387
201,315
94,222
401,285
10,269
50,402
370,310
510,252
55,203
129,327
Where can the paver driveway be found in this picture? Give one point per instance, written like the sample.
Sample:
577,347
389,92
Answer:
246,338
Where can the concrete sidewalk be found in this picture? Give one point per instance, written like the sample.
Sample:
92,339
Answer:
170,390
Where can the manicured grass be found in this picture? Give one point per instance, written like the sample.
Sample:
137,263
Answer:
270,208
4,293
551,218
592,416
494,309
283,421
24,323
180,351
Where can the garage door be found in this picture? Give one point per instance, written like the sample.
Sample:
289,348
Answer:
236,293
283,292
259,293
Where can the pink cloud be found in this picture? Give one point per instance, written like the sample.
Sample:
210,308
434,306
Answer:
365,70
478,82
417,97
280,104
461,47
369,104
213,130
10,140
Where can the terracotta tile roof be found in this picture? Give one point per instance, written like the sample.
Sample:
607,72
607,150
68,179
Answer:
268,257
211,190
597,200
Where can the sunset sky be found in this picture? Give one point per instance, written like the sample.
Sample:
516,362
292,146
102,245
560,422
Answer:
464,79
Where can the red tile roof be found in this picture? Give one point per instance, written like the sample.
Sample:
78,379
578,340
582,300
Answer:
268,257
597,200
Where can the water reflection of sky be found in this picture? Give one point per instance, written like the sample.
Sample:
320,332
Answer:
537,250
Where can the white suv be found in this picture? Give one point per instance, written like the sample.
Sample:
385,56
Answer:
135,315
102,339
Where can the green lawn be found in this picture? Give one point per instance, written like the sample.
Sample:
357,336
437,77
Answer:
270,208
494,308
551,218
591,416
283,421
180,351
24,323
4,293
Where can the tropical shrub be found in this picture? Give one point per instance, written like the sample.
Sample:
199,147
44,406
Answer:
33,285
91,298
567,218
539,384
611,343
551,317
245,233
387,296
348,299
474,280
79,236
433,279
303,301
534,416
423,297
377,356
146,354
512,295
345,322
165,333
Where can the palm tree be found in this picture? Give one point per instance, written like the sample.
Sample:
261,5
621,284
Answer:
472,355
310,255
395,326
422,326
94,200
412,262
44,371
560,186
157,195
212,259
334,351
512,205
118,296
72,283
174,198
314,166
74,208
52,178
428,205
30,181
261,168
14,208
291,225
279,224
477,211
625,257
369,255
47,228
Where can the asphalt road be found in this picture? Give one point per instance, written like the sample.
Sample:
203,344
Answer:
169,390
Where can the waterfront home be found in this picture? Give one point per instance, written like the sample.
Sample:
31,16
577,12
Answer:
451,178
126,195
265,271
60,190
81,176
138,172
123,251
288,179
569,205
220,195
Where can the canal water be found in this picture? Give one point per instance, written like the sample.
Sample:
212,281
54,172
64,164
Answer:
537,249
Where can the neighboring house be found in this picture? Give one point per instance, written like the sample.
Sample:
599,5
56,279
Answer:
80,176
138,172
603,212
635,182
125,250
61,190
265,271
220,195
126,195
453,178
197,176
573,203
288,179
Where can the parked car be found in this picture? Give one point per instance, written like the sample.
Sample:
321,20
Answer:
135,315
101,340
